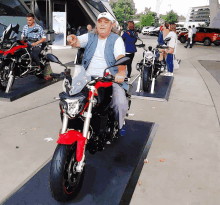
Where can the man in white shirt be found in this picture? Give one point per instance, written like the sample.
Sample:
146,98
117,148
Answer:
98,62
190,34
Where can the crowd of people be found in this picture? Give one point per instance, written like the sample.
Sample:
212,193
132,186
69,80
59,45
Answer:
167,56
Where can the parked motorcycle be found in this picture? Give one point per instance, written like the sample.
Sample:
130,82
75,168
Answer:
150,67
88,124
16,60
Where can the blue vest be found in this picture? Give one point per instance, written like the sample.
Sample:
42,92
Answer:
109,53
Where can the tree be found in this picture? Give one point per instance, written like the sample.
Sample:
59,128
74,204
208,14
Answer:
181,18
172,17
124,10
146,20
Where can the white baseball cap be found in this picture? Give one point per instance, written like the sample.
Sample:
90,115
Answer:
106,15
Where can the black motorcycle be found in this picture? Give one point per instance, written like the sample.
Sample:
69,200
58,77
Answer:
150,67
88,123
16,61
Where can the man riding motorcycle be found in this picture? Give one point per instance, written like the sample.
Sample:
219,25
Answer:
34,47
102,49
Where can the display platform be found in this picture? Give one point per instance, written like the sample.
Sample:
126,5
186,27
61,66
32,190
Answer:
24,86
213,67
110,175
162,89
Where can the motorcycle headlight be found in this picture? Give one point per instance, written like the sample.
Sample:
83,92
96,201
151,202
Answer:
73,107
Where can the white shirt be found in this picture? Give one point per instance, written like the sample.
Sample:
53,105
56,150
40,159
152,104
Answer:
190,33
194,30
173,41
98,63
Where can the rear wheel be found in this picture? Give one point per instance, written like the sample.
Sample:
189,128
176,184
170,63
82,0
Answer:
65,182
4,76
207,42
146,79
183,39
217,44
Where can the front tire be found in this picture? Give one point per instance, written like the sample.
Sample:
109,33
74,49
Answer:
146,79
65,182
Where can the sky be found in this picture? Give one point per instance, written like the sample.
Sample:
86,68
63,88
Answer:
179,6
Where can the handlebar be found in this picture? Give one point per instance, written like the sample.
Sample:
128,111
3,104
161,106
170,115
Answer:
140,45
162,46
30,39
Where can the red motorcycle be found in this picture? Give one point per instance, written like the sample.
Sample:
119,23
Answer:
16,61
88,123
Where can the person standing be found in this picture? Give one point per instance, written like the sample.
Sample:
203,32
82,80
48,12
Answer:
190,34
130,38
34,47
194,34
89,27
160,37
171,51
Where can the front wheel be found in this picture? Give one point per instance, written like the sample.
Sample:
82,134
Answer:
65,182
4,76
146,79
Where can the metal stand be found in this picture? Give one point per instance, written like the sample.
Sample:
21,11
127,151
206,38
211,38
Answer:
152,86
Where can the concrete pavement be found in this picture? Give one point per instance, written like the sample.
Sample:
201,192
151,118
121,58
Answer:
187,137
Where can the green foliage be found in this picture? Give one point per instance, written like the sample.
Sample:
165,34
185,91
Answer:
171,17
124,10
146,20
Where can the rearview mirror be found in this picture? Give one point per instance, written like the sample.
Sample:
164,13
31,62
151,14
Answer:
167,39
122,61
53,58
35,30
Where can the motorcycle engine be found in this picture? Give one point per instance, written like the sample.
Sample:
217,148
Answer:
25,60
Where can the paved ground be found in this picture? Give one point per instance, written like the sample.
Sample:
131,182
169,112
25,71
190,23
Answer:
187,137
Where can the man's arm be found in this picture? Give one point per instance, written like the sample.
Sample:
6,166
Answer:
120,76
39,42
73,41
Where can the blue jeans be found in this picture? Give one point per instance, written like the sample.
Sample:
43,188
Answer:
188,43
169,62
34,52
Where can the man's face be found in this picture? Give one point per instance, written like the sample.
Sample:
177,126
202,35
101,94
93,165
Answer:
104,27
30,21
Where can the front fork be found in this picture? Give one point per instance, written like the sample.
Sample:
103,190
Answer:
10,76
86,125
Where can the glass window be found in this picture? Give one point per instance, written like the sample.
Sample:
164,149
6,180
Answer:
11,8
97,4
95,11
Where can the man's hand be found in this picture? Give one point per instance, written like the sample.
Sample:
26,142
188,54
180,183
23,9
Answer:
120,77
34,44
72,39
